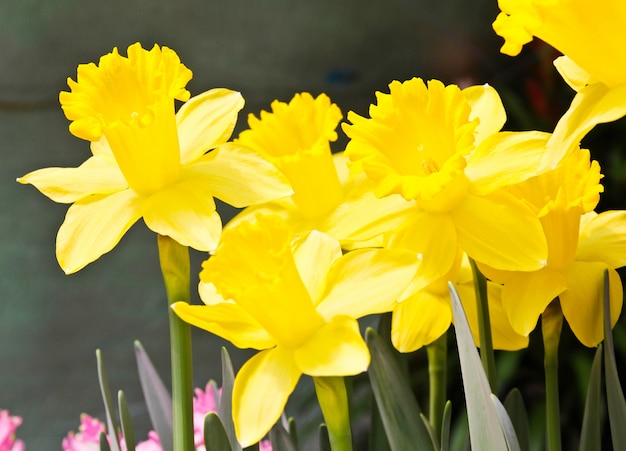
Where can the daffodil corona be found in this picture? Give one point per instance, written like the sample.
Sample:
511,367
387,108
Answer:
296,301
149,161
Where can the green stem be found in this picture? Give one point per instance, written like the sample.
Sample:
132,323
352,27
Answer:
333,399
484,326
551,323
174,259
437,374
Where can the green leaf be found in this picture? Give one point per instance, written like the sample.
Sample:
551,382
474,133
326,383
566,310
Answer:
108,403
215,437
398,407
225,408
324,438
158,399
507,425
514,405
445,427
293,431
280,439
104,443
615,396
127,424
591,435
486,432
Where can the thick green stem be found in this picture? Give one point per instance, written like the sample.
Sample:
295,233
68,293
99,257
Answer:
333,399
437,374
484,326
174,259
551,323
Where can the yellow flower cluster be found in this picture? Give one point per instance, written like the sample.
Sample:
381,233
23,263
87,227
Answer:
426,183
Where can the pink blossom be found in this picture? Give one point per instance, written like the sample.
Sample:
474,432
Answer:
8,426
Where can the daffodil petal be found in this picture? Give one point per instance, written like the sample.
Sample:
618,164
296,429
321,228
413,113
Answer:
594,104
582,302
526,295
501,231
419,320
505,159
206,121
314,255
363,217
503,335
336,349
97,175
367,281
260,393
239,176
487,107
434,239
93,226
603,239
574,75
185,212
209,295
228,321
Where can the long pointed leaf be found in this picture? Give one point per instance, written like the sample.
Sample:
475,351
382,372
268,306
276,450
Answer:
445,427
215,438
225,409
103,378
507,425
127,425
615,396
280,439
158,399
324,438
399,410
591,435
486,433
104,442
514,405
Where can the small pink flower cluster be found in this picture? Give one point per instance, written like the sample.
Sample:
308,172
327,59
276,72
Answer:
8,426
88,436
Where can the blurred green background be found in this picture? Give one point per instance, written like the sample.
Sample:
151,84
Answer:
51,324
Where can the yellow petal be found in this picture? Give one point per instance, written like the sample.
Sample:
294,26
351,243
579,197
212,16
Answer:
526,295
434,239
500,231
262,387
314,254
336,349
97,175
228,321
185,212
367,281
603,239
487,107
239,176
583,300
594,104
93,226
206,121
574,75
505,159
420,320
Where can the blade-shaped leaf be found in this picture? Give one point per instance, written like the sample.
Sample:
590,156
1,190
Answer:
127,425
445,427
324,438
108,403
293,431
225,409
104,442
615,396
398,407
514,405
591,435
486,433
507,425
280,439
158,399
215,438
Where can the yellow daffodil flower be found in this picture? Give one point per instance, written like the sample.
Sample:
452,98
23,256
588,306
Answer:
297,302
439,148
296,138
149,161
591,37
581,244
424,316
